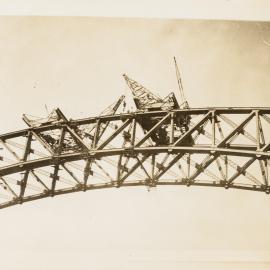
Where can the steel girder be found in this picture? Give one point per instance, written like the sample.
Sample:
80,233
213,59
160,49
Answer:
223,147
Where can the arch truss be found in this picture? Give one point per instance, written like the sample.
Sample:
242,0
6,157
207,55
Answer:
222,147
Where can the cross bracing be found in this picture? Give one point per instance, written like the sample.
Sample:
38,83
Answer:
217,147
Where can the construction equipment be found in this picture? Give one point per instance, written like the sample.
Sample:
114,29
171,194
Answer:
52,138
145,100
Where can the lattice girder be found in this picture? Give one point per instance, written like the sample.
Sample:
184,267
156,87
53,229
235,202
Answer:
222,147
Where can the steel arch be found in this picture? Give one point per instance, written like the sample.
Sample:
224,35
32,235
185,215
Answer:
223,147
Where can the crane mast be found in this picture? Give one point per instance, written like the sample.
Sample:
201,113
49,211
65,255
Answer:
184,103
146,100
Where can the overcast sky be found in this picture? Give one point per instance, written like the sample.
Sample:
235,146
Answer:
77,64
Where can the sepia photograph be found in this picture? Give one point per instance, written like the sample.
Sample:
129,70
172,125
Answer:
134,142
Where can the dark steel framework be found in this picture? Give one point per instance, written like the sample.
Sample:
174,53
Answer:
223,147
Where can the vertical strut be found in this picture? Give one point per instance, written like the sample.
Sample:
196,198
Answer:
55,177
258,137
172,129
119,168
27,151
261,131
153,163
213,128
263,171
226,168
87,172
133,135
188,165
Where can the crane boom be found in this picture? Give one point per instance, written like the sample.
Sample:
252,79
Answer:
184,102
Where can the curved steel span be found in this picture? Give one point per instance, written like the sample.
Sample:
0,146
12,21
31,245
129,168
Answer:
64,156
161,143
